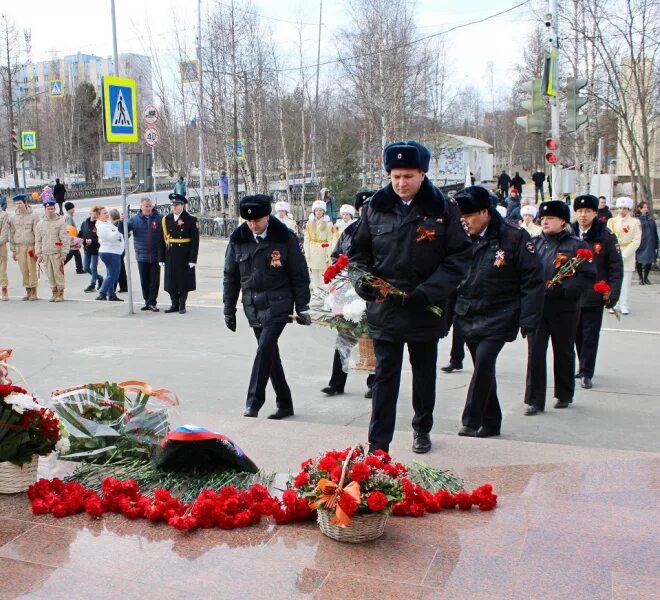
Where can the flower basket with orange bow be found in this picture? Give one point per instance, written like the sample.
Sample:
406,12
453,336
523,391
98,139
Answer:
353,493
130,418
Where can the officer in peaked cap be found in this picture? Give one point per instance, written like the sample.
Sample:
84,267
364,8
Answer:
501,293
264,261
609,267
411,236
561,309
179,246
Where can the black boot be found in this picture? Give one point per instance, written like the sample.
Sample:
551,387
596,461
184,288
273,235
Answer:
647,270
640,273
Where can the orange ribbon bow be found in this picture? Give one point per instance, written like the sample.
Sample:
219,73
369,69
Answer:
140,386
425,234
331,492
275,259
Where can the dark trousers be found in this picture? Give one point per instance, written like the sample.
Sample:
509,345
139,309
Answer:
339,376
178,299
561,329
149,281
267,365
122,282
586,339
538,193
389,358
457,352
75,254
482,407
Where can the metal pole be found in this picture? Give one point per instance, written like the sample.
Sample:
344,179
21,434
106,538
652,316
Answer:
316,96
21,152
235,115
202,166
153,175
122,181
553,9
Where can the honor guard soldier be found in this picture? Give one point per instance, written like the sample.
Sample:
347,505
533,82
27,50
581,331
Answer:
179,246
265,263
22,229
502,292
556,246
609,267
411,236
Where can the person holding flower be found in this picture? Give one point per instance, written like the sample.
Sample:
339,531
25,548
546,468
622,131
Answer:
609,267
568,269
629,234
318,243
411,239
52,244
501,293
345,342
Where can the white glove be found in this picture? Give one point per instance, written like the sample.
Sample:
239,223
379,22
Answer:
191,265
162,264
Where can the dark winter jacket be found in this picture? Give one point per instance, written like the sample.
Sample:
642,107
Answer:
608,261
59,192
147,233
513,209
518,182
179,276
272,275
565,296
538,178
344,242
88,232
648,249
604,215
427,249
504,287
504,181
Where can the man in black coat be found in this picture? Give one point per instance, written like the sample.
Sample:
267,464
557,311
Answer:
339,377
178,250
503,291
561,309
517,182
264,261
504,183
538,177
412,237
59,193
609,267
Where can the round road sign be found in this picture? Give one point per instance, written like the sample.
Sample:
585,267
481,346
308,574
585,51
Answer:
151,135
150,114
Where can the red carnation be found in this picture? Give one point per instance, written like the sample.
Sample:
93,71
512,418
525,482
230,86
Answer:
585,254
327,463
463,500
377,501
325,245
360,472
335,473
416,510
342,262
602,287
348,504
301,479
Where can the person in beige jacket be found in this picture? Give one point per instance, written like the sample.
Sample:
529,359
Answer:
4,238
51,247
318,243
629,234
22,227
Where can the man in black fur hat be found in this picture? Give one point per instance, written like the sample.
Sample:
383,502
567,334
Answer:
411,236
264,261
502,292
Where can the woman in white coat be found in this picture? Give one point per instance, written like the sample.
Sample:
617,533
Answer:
318,243
112,246
629,235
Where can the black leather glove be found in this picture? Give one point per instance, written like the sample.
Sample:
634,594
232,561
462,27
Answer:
230,322
417,300
365,291
525,331
304,318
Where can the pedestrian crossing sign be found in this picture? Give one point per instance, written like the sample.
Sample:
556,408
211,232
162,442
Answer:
120,110
56,89
28,140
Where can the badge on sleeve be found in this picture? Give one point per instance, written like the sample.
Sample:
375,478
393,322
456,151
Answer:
617,248
275,259
530,247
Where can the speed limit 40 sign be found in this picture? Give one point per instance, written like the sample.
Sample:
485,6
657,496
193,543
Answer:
151,135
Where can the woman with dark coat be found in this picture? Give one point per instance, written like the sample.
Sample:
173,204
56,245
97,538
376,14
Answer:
648,250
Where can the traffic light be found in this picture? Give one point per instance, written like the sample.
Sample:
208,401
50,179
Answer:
575,120
16,145
551,150
534,122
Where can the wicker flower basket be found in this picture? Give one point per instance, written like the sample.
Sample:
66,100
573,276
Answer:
362,528
366,355
14,479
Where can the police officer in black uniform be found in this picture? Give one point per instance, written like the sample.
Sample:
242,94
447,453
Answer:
411,236
264,261
503,291
339,376
561,309
609,267
178,250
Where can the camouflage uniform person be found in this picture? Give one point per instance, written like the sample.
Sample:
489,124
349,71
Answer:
22,228
51,247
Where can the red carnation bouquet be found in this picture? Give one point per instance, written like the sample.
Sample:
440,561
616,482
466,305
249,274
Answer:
567,267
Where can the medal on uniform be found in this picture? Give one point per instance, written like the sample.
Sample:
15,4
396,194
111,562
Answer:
500,261
597,248
275,259
424,234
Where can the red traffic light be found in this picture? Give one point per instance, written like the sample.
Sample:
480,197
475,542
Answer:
551,144
551,157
